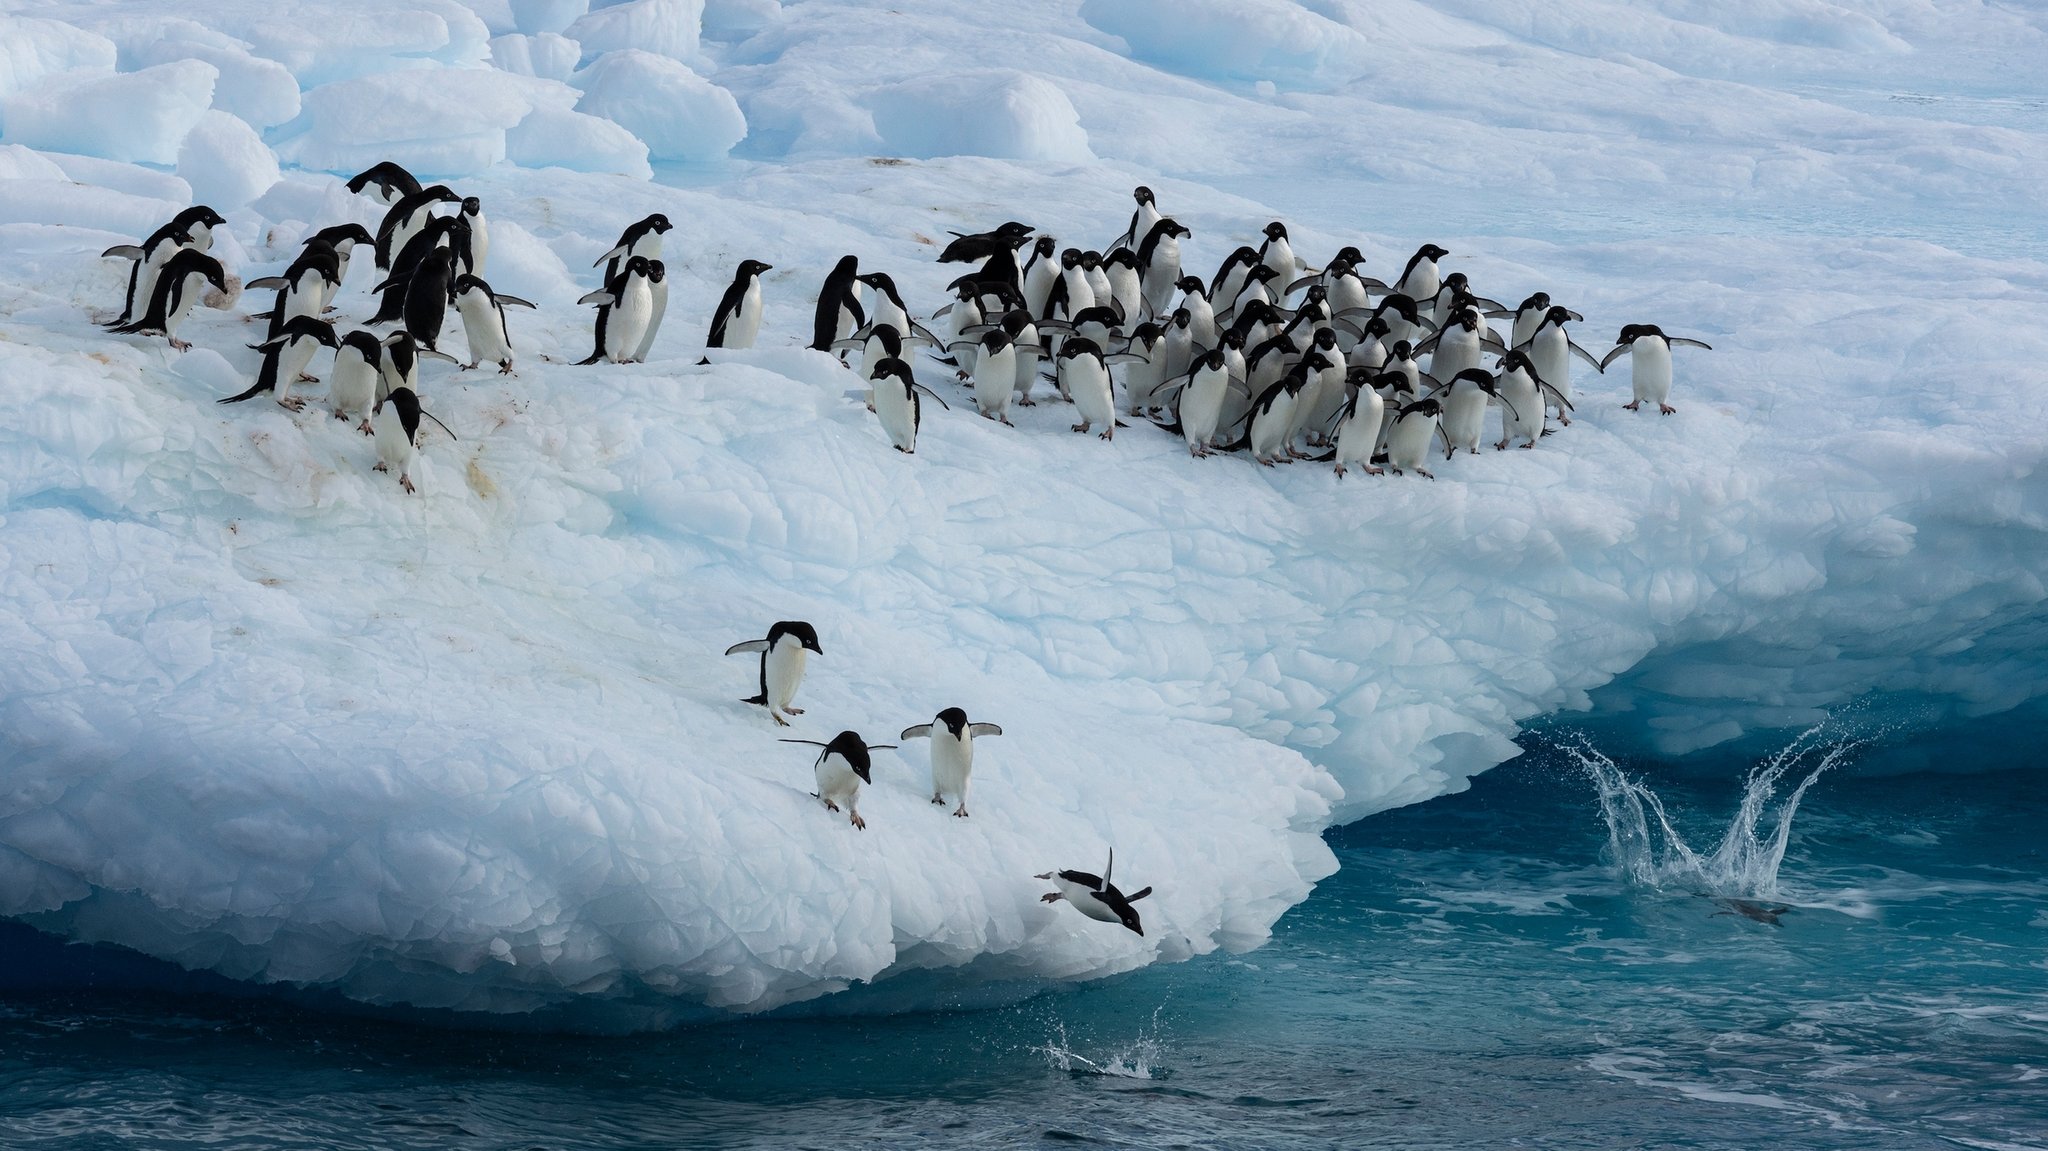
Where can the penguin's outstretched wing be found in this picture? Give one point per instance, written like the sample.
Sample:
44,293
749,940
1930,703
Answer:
981,729
921,731
1586,356
1613,356
1135,896
752,645
1681,341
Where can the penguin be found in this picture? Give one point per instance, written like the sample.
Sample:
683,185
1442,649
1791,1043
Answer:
1409,437
896,403
1158,259
178,286
388,182
1202,326
1459,344
1024,340
1464,409
1407,322
998,276
448,233
1143,219
1098,277
881,342
995,372
1358,429
1526,315
782,665
952,753
1145,373
483,322
1200,401
839,311
399,366
1126,291
888,304
1096,898
1420,280
840,770
1254,287
304,288
1229,278
1323,395
406,218
343,238
472,213
623,307
1396,390
427,293
641,238
965,316
397,422
1370,352
657,307
1550,350
738,319
1649,363
1524,398
1072,292
966,249
352,386
1276,253
1271,419
1084,375
191,228
285,357
1178,346
1455,293
1039,275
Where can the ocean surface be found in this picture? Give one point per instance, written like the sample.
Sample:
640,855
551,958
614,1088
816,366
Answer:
1573,953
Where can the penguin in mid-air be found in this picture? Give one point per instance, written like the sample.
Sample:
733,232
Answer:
1649,363
178,287
952,753
1095,896
840,770
191,228
389,183
738,319
782,665
839,312
285,357
483,322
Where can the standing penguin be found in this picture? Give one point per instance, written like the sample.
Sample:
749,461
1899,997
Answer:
782,665
304,288
352,386
1084,375
1145,373
738,319
1550,350
1523,396
397,421
427,295
1464,411
657,307
1358,428
343,238
995,372
643,239
1200,400
952,753
388,183
191,228
483,322
1649,363
624,304
1143,219
178,286
839,312
1230,276
1096,897
1409,436
896,403
1420,281
1276,253
479,233
1271,420
406,218
399,366
285,357
840,770
1159,265
1039,275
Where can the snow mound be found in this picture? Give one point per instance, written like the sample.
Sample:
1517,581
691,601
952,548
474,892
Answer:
438,121
226,162
1272,40
664,27
678,114
546,55
262,92
738,19
139,116
32,49
1006,114
322,43
560,138
540,17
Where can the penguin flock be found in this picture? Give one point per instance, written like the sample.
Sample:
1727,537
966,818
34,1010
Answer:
1269,356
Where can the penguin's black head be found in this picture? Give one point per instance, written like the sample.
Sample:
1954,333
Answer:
846,267
344,233
1182,318
1192,285
1432,252
1426,407
891,368
1071,258
1120,903
955,720
1517,361
1175,228
1402,350
1539,301
1349,254
1015,321
1079,346
1316,294
313,328
1123,257
1211,360
1376,327
1557,314
1276,231
754,268
657,223
210,267
1045,247
798,630
1091,259
995,339
1402,305
1234,339
1479,376
196,215
1389,381
441,193
1326,338
471,205
1014,231
1245,254
892,340
1260,274
1455,281
879,281
366,346
1358,377
1147,333
1316,361
849,746
1632,332
1467,318
638,266
1142,194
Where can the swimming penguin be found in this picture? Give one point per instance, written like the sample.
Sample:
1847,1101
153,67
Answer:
738,319
483,322
1524,398
304,288
1084,375
191,228
1039,275
1358,427
1200,393
343,238
952,753
1158,259
966,249
406,218
1550,350
623,307
782,665
352,386
1465,397
388,183
178,286
397,421
1096,898
839,311
285,357
1409,437
994,374
1143,219
1649,362
896,403
479,233
840,770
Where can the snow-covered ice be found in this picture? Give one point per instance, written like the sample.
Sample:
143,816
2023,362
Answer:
477,749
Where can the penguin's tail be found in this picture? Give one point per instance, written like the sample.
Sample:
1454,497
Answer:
593,357
251,394
1325,458
761,699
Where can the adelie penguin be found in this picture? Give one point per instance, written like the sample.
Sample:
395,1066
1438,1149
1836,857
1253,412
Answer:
179,285
1084,376
839,312
304,288
1550,350
1095,896
737,321
952,753
285,357
1158,259
1199,394
966,249
406,218
353,385
840,770
483,322
782,665
1358,425
1409,437
1649,353
643,239
625,304
387,183
896,403
1143,218
399,366
397,421
189,229
343,238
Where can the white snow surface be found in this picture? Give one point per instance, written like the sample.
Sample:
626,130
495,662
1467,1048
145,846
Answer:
478,748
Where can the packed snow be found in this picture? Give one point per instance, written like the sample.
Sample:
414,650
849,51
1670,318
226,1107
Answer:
479,749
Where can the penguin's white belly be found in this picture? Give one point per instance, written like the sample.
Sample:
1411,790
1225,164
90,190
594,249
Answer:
783,671
1521,408
1088,383
1080,293
1347,293
1650,369
952,763
1027,362
745,324
837,782
479,245
188,292
1464,417
1038,284
394,450
1202,330
481,326
1408,442
353,384
1201,408
1552,357
1270,428
291,360
1455,353
1369,354
995,380
628,321
1085,902
1141,380
657,308
893,408
145,282
1358,438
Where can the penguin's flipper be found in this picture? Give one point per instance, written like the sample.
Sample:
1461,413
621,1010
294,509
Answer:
1586,356
1304,282
981,729
251,394
1683,342
1492,343
270,283
124,251
436,353
1051,325
1135,896
752,645
614,254
512,301
919,331
849,344
1612,356
1498,307
599,297
1500,314
1126,358
1356,332
978,329
1431,382
1325,458
1429,344
1554,394
919,732
933,394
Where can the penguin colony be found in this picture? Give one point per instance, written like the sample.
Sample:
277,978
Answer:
1268,356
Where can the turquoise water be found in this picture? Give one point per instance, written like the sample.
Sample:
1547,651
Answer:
1536,962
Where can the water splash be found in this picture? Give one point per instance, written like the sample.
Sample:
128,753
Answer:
1139,1060
1651,851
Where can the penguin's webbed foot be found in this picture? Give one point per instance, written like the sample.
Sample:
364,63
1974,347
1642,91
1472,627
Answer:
1006,421
1527,446
960,812
1262,463
308,378
1424,475
505,368
1630,407
938,799
363,427
829,805
794,710
1563,421
295,403
1080,427
1501,446
1050,896
381,467
1026,402
781,722
1373,471
1340,471
180,345
465,367
1109,433
1667,409
859,824
405,481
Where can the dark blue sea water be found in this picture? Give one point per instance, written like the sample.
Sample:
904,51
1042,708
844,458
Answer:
1538,962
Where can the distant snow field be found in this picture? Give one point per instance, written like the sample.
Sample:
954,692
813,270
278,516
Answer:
267,715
